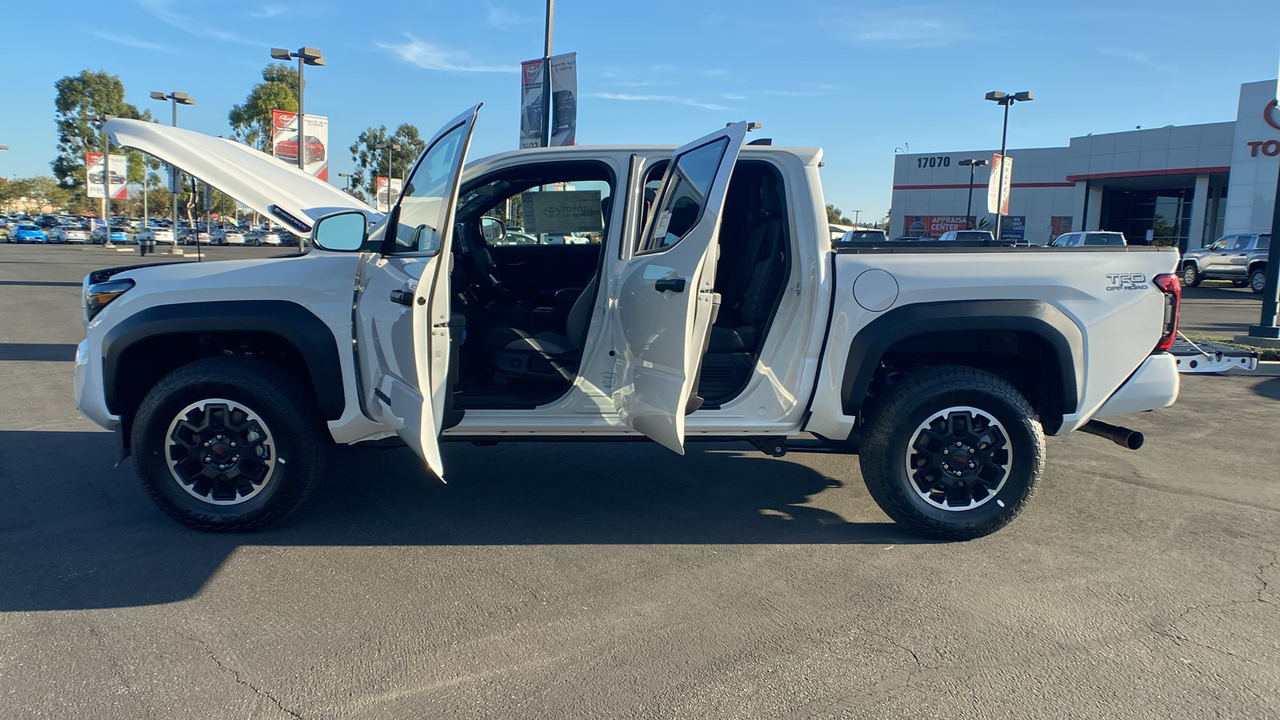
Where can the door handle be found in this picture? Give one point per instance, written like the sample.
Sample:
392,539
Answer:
402,297
675,284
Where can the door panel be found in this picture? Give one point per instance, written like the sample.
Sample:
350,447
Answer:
538,271
402,305
666,300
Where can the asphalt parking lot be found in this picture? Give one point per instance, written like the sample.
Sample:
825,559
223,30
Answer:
590,581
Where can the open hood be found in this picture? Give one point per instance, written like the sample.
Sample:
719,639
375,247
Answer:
270,186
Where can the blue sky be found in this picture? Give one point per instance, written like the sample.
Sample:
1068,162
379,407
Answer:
859,79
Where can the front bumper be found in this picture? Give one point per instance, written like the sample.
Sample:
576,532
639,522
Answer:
91,399
1155,384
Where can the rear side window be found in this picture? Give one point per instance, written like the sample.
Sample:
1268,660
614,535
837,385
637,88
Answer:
1109,239
1264,242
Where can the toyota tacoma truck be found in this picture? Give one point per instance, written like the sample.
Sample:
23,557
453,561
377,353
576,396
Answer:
673,295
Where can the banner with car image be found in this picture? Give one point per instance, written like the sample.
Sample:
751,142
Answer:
314,145
385,193
564,101
94,175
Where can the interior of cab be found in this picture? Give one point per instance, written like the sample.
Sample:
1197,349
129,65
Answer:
526,286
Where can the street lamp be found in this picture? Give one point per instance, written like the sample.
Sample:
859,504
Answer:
388,147
1006,100
856,213
178,98
306,56
346,184
973,163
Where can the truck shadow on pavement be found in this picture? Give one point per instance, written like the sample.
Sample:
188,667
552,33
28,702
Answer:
76,533
1269,389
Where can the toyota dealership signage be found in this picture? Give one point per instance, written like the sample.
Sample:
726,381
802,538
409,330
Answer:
285,143
564,101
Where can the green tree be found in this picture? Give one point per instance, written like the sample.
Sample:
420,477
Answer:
836,217
251,121
371,162
80,97
42,190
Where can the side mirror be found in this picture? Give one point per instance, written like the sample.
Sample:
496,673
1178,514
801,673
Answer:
493,230
343,231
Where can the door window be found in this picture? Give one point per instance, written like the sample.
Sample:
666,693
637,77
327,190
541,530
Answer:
681,207
424,210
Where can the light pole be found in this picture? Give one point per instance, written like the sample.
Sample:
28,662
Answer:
973,164
306,56
102,119
346,184
856,213
546,77
1006,100
178,98
389,147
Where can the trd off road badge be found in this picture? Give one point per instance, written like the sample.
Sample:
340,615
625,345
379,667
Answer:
1126,281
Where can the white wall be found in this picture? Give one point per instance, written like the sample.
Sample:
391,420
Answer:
1251,190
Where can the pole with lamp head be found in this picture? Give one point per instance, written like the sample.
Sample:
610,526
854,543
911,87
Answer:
177,98
388,147
973,163
1006,100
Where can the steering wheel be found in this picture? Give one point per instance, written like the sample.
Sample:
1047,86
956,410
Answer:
477,254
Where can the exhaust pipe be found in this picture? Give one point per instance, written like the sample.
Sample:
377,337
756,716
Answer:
1122,436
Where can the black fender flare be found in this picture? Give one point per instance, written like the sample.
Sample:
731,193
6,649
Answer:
1032,316
288,320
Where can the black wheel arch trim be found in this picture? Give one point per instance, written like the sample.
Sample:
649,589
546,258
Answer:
294,323
1034,316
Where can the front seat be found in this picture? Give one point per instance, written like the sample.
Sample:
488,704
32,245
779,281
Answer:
546,355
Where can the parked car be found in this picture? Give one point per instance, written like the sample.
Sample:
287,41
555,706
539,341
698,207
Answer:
226,236
259,237
159,236
983,236
1091,238
945,380
69,234
187,236
287,149
1241,259
863,237
28,233
99,236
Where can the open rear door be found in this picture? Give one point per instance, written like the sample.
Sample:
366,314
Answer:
666,300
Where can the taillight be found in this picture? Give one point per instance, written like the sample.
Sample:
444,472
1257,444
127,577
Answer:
1172,290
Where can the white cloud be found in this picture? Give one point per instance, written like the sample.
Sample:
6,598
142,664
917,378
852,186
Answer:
429,56
908,27
504,19
658,98
164,12
269,10
130,41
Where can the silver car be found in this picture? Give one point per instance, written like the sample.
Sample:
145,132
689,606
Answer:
1231,257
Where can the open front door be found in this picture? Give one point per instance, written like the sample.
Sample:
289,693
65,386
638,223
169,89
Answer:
666,300
403,313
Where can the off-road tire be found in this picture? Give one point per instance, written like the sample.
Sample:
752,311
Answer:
888,455
262,393
1191,275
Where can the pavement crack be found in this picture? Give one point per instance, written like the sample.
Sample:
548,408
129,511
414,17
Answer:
240,680
1174,633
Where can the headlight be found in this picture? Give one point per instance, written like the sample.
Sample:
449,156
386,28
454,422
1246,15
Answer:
98,295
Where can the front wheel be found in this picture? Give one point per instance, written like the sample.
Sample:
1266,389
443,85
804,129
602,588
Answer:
1190,275
953,453
1258,280
228,444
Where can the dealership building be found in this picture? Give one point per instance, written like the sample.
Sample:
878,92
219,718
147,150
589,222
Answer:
1180,185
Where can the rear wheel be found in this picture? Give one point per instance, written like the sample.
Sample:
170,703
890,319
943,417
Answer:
1190,275
227,444
953,453
1258,280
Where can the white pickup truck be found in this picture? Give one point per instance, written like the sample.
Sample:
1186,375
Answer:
705,302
